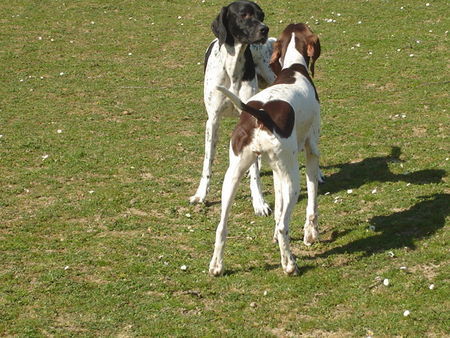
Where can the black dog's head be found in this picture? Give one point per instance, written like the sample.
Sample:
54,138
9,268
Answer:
241,21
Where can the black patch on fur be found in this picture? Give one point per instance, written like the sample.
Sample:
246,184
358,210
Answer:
249,66
207,54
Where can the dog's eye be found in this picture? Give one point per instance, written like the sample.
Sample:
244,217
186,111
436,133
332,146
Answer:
245,15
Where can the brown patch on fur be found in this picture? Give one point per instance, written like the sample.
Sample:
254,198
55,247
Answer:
275,116
287,76
306,42
243,133
282,115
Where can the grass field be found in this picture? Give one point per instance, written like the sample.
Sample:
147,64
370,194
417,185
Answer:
101,124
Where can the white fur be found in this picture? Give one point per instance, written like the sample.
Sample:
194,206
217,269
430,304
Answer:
223,68
282,155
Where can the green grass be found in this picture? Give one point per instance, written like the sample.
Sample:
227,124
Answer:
93,235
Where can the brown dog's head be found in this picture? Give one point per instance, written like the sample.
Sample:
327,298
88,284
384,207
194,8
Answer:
306,42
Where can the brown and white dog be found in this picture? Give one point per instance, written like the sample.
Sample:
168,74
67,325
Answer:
277,123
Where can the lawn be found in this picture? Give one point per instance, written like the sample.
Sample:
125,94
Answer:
101,145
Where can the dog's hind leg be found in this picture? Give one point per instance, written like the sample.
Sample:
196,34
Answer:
238,166
311,228
288,179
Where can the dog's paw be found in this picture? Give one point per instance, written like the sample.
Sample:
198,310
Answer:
292,270
311,236
196,199
320,177
216,269
262,209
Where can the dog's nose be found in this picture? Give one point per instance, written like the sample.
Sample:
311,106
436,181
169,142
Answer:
264,30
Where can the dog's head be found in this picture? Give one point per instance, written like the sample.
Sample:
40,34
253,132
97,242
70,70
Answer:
241,21
306,42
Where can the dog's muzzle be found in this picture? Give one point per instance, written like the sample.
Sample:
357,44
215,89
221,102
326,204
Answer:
261,34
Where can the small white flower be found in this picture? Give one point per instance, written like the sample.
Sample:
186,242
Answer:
61,74
349,191
386,282
92,22
188,215
129,54
358,45
66,267
281,21
21,80
359,22
398,49
431,287
402,7
403,268
411,55
374,191
166,263
406,313
418,41
327,193
427,4
338,14
39,37
91,191
71,41
183,268
44,157
370,53
430,31
1,136
265,293
59,131
179,17
52,39
391,254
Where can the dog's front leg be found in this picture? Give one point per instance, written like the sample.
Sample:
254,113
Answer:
211,136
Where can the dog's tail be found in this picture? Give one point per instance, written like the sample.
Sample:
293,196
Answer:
260,114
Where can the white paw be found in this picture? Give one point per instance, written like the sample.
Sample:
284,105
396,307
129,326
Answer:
196,199
216,269
292,269
311,236
262,209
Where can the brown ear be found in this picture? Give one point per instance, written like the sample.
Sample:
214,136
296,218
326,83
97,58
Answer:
313,51
275,59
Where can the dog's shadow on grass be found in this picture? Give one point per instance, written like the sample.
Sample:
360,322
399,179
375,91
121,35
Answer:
401,229
375,169
266,267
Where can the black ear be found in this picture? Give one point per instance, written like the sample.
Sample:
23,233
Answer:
219,26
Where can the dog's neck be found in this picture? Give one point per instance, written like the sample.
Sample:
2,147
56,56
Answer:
293,56
238,61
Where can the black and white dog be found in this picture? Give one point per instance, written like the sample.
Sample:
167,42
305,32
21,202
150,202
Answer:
240,54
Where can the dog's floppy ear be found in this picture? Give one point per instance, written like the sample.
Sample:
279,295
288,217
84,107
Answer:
313,50
219,26
275,59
